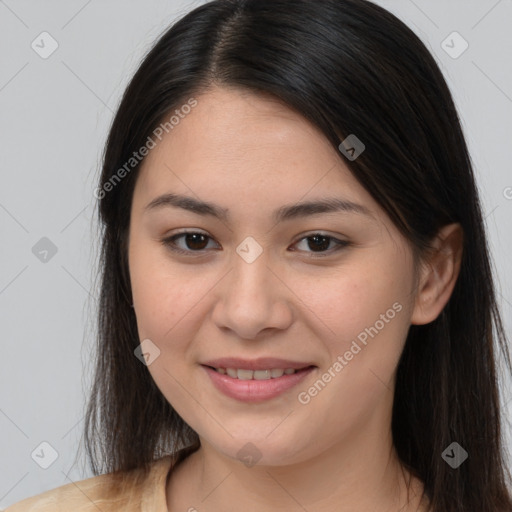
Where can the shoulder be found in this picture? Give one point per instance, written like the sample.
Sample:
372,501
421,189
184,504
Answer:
126,491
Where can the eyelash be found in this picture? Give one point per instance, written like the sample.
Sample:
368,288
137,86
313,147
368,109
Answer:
169,242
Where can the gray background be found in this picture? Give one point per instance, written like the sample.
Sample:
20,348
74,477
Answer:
55,113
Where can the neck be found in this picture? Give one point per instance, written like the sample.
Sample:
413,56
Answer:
358,475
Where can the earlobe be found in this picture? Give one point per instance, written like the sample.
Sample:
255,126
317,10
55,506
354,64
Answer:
438,275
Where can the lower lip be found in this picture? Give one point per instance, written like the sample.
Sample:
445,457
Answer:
256,390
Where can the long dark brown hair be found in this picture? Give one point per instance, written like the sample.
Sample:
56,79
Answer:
349,67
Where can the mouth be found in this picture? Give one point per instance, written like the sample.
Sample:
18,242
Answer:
245,374
256,384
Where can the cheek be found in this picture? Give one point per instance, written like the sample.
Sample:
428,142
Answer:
164,299
170,300
353,298
160,293
367,323
363,315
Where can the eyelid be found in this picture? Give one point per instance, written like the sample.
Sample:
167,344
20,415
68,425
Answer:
339,243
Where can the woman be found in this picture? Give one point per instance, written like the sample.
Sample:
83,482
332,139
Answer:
297,307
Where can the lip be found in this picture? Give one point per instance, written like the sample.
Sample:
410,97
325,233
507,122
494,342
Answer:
263,363
256,390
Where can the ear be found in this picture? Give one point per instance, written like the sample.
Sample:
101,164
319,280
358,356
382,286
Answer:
438,275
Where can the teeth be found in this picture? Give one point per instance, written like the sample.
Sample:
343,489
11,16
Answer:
262,374
245,374
241,374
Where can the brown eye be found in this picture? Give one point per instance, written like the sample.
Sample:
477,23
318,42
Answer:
194,242
319,243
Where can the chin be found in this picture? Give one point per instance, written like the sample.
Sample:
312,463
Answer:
263,451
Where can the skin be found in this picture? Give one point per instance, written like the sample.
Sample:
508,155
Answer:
251,154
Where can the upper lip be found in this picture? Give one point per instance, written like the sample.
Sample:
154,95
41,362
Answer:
263,363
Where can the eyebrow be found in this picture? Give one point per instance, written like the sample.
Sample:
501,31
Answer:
286,212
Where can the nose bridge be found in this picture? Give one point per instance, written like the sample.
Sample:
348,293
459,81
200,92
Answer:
250,276
251,299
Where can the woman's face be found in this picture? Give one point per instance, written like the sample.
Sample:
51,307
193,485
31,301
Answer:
254,285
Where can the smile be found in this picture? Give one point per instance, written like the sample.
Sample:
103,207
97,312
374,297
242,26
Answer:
241,374
255,385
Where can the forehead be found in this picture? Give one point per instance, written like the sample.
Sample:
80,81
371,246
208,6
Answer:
241,147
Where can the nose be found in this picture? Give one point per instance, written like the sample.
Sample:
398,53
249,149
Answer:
252,298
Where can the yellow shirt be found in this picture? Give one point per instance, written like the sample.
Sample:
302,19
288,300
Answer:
130,494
